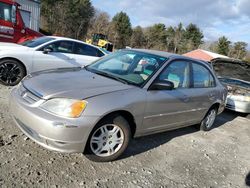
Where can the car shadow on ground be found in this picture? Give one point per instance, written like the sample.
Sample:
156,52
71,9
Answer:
225,117
144,144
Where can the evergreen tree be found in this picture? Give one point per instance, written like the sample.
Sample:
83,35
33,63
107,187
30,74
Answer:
156,37
121,30
193,37
223,46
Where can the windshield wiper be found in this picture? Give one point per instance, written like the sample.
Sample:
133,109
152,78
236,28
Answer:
110,76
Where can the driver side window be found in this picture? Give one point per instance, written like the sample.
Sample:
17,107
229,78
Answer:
61,46
177,72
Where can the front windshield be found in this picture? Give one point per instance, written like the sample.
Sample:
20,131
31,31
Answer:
37,42
131,67
5,11
235,82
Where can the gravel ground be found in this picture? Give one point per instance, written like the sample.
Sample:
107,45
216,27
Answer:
180,158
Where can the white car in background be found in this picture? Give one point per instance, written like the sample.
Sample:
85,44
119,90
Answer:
49,52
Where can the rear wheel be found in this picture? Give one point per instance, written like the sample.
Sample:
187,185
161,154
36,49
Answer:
109,139
11,72
208,121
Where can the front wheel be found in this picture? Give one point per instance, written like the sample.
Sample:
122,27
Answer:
11,72
109,139
208,121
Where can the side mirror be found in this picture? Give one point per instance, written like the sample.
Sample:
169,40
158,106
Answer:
162,85
47,50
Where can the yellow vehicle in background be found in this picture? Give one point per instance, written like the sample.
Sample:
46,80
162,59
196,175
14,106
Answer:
101,40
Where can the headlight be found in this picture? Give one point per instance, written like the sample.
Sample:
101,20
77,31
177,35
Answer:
247,98
65,107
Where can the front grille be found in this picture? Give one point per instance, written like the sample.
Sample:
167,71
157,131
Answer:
27,95
230,106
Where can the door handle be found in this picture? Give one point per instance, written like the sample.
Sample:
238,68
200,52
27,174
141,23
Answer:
70,58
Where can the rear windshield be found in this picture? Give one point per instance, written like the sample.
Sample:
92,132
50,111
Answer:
37,42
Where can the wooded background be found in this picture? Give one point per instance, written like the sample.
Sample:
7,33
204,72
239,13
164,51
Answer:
79,19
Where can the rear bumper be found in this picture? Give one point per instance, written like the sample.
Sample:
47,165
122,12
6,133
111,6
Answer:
52,132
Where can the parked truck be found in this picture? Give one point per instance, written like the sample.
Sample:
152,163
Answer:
12,27
101,40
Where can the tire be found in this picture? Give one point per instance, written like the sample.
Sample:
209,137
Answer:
109,139
208,121
11,72
248,179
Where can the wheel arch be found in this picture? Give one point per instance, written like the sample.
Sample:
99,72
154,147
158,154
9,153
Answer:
124,113
215,105
15,59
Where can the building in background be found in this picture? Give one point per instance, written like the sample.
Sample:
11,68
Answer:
30,11
204,55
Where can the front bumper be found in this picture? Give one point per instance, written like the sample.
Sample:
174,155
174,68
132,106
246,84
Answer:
238,106
52,132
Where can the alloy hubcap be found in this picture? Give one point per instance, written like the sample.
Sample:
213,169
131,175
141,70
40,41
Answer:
10,73
210,118
107,140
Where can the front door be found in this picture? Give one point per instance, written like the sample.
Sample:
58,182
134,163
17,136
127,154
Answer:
61,56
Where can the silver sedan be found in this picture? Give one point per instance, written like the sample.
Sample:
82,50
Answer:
97,109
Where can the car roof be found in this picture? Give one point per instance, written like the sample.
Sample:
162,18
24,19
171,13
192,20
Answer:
154,52
167,55
171,55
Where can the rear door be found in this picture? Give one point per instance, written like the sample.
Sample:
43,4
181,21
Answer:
203,88
61,56
86,54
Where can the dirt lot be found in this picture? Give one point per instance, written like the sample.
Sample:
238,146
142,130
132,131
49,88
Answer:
181,158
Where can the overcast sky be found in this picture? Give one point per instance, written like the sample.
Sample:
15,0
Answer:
215,17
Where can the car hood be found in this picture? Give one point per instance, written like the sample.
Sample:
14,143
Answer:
232,68
75,83
12,46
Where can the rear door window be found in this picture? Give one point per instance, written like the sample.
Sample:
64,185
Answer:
202,78
84,49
